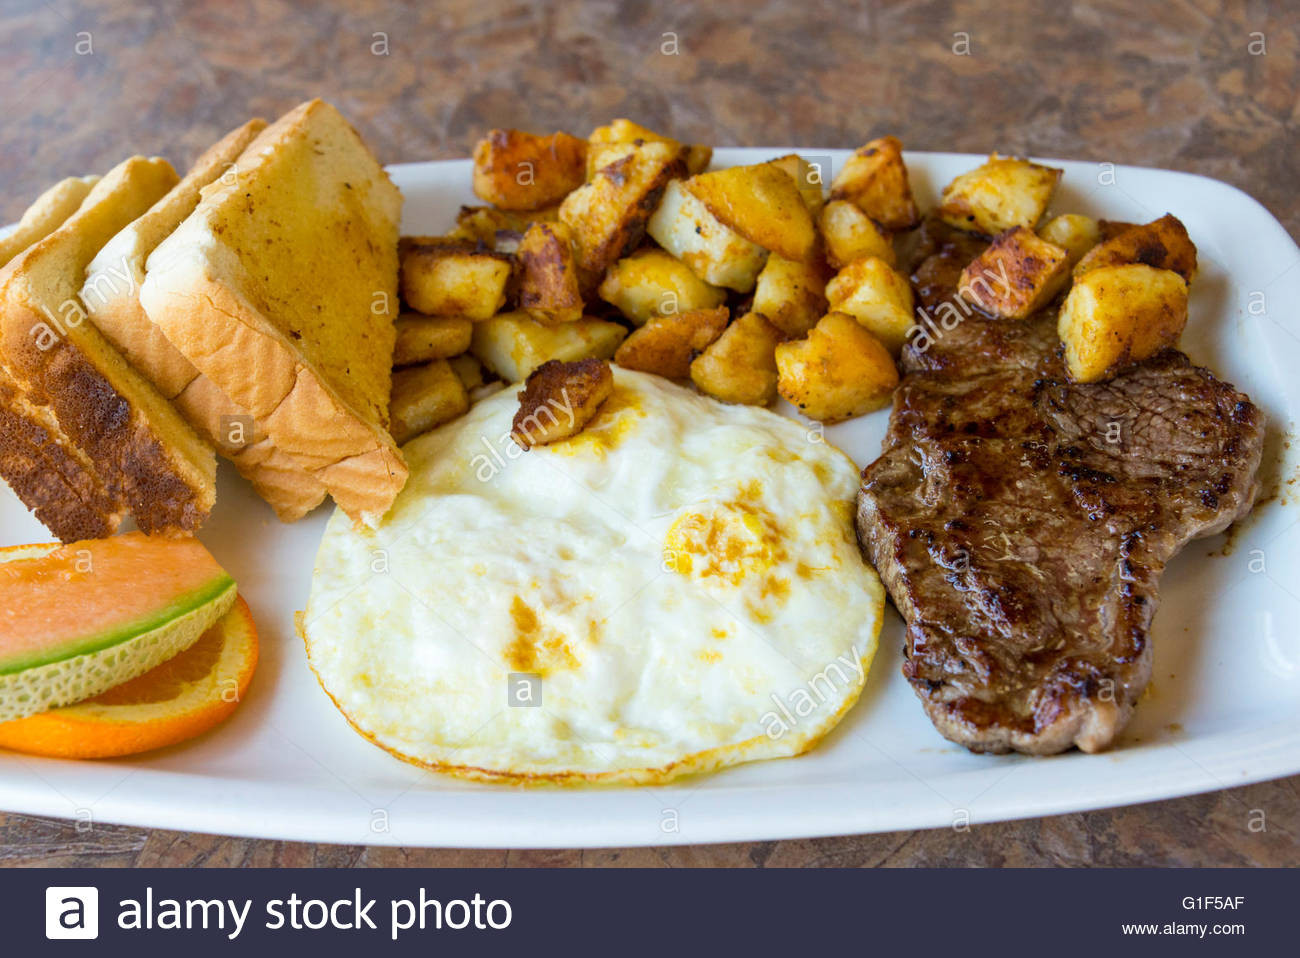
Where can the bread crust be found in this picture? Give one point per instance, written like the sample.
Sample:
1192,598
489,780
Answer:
51,209
275,475
142,450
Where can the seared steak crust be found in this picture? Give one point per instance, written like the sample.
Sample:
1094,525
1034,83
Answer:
1021,522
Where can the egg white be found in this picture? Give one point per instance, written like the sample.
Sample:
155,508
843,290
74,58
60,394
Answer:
681,582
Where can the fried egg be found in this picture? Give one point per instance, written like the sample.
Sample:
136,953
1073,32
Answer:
675,589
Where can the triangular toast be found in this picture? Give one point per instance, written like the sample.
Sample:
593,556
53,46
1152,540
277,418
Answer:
95,406
111,295
281,288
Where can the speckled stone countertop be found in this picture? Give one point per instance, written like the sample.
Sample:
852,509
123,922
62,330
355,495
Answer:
1186,85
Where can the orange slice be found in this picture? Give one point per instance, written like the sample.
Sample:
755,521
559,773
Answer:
184,697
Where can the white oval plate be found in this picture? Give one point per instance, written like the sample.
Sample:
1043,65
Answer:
1223,709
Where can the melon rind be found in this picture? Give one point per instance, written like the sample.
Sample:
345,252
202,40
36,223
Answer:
44,687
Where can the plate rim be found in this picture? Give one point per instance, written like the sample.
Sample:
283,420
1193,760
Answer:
443,817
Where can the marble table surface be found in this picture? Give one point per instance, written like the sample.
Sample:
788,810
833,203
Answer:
1185,84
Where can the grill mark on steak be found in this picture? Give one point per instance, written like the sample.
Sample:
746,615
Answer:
1021,522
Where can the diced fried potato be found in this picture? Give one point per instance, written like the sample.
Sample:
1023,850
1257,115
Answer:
666,345
715,253
451,279
839,371
513,344
740,366
1162,243
488,225
558,400
1116,315
875,180
522,171
762,204
1112,228
1016,275
469,370
607,215
790,295
851,234
625,131
808,177
876,296
651,283
548,277
424,397
421,339
1004,192
1073,232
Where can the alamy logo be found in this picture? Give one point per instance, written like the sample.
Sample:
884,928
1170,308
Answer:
71,912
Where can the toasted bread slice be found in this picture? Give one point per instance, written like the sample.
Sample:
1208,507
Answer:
46,215
282,289
144,452
111,296
113,278
54,478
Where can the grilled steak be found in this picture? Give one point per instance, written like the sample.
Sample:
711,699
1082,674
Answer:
1021,522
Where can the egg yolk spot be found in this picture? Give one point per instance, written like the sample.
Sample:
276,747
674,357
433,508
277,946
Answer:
533,649
733,541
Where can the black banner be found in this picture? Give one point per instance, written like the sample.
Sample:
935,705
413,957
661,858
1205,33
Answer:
497,912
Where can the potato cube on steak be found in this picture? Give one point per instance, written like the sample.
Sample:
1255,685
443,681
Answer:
1004,192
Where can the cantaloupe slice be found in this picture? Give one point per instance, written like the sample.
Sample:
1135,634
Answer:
78,619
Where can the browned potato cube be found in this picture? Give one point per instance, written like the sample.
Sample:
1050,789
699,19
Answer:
513,344
839,371
790,294
1116,315
808,177
559,399
876,296
1016,275
851,234
1073,232
421,339
453,279
714,252
666,345
548,277
625,131
740,366
607,215
1005,192
1162,243
875,180
652,282
1112,228
522,171
762,204
491,226
424,397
